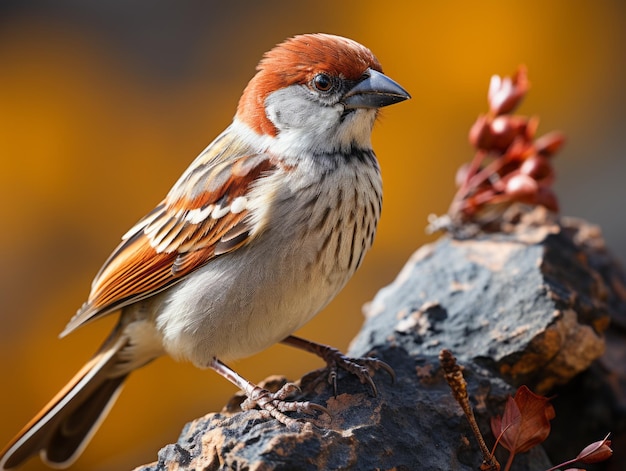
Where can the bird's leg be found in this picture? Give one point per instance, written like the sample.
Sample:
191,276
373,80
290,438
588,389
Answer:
362,368
271,404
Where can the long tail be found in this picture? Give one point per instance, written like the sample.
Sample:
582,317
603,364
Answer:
63,428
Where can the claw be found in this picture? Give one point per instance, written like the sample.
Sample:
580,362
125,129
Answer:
332,378
377,364
388,369
368,379
311,407
362,368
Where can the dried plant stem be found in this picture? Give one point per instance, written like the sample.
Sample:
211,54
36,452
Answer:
454,376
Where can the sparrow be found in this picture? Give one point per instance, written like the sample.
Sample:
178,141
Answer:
262,230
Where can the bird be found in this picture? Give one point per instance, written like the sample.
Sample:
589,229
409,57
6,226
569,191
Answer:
257,235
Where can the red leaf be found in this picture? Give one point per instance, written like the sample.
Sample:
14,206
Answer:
525,422
596,452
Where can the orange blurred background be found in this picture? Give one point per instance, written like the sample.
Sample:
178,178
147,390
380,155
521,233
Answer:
104,104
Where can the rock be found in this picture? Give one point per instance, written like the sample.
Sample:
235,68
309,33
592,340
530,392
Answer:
525,307
411,423
526,303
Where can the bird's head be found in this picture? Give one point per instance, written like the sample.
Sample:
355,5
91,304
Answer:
317,93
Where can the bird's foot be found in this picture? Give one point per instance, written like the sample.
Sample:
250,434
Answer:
363,368
275,404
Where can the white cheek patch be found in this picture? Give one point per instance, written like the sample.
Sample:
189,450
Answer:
309,126
291,109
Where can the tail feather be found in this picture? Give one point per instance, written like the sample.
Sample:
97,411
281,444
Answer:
65,425
74,433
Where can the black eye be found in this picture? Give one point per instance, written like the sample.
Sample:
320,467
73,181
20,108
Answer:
322,82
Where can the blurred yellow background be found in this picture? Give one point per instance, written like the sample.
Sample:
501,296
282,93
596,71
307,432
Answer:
104,104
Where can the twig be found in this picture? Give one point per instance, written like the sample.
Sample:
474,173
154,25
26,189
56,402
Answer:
454,376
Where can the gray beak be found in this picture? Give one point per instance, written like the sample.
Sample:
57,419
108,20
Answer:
374,91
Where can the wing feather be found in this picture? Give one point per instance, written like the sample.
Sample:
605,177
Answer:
195,223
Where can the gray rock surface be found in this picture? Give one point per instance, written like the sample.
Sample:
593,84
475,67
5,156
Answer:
528,307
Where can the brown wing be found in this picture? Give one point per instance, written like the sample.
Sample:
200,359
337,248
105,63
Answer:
205,215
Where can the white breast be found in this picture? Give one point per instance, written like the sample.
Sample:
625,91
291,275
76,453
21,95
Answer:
315,238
